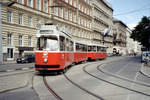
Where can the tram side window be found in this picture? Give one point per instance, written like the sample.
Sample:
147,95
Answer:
105,49
67,44
71,46
84,48
77,47
94,48
81,47
62,44
98,49
102,49
89,48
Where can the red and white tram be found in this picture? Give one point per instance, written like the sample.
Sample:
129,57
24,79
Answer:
56,50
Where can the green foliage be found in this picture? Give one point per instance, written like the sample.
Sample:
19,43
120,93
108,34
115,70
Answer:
141,32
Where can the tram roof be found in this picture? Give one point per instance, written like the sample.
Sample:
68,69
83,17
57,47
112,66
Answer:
49,30
97,45
81,42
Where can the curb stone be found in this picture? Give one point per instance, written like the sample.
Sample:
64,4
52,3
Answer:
144,72
17,69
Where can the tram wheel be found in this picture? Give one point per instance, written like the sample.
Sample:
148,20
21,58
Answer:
64,70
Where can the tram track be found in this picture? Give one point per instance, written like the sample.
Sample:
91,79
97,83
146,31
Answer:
112,83
122,78
87,91
50,89
101,79
75,84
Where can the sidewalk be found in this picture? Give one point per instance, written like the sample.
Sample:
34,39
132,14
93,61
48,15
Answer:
145,70
9,62
7,67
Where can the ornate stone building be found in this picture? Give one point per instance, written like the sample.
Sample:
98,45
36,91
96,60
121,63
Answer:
102,21
21,21
86,20
119,32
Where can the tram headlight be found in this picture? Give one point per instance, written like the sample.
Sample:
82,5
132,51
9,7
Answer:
45,60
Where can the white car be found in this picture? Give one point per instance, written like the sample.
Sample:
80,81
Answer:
145,56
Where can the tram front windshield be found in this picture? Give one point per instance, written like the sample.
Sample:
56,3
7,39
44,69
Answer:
48,43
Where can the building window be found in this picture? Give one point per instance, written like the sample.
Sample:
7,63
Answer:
45,6
20,18
66,14
79,6
20,1
82,8
38,4
9,39
75,3
61,12
70,15
29,41
30,3
88,1
79,20
9,16
66,1
30,21
90,25
56,11
20,40
70,2
38,25
74,17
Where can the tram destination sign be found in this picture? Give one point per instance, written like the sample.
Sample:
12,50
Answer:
46,31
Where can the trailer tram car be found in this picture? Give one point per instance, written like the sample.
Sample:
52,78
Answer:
54,49
96,52
80,52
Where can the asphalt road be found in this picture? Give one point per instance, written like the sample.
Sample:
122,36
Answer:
116,78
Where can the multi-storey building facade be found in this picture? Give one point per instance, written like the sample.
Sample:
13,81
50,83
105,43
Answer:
102,20
119,33
131,45
22,20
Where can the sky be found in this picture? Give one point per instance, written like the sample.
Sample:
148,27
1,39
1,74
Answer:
130,11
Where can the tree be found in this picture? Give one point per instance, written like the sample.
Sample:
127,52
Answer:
141,32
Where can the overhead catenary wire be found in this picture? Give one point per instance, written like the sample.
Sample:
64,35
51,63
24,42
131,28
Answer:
133,11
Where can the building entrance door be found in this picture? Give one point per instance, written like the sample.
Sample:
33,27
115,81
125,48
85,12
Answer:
10,54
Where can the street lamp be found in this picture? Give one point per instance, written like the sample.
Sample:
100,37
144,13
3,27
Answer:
7,3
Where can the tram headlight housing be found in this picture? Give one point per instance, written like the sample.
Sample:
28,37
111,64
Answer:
45,60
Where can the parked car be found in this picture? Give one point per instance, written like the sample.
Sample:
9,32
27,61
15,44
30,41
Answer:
145,56
110,54
26,59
